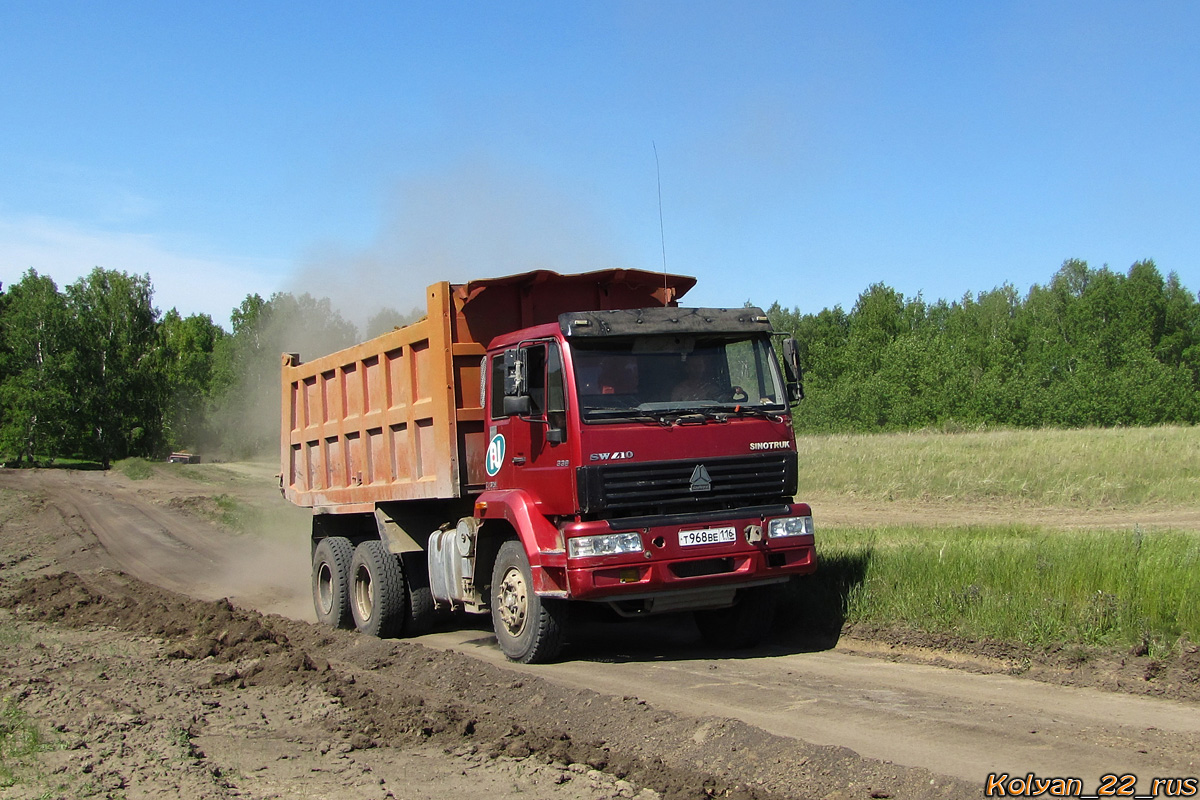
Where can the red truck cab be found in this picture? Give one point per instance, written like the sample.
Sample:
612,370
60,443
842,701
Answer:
655,447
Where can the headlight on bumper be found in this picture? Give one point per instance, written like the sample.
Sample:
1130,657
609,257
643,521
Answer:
609,544
789,526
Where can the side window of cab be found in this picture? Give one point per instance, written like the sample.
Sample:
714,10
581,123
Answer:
543,381
497,388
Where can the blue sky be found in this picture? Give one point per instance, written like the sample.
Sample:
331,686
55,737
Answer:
807,149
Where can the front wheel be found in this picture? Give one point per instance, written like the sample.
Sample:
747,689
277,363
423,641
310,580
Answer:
529,628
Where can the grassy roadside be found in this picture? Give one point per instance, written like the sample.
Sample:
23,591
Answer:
1036,585
1022,584
1090,468
221,507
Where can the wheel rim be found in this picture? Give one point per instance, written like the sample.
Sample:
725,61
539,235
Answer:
513,602
325,588
362,594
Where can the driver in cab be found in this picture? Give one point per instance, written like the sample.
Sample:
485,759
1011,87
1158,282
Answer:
698,381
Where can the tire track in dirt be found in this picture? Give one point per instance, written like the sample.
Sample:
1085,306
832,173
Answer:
171,548
147,545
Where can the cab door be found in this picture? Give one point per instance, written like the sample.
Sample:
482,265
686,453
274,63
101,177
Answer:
529,449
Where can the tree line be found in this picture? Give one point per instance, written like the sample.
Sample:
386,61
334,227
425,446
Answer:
96,372
1093,347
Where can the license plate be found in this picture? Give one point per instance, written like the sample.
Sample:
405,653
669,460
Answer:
707,536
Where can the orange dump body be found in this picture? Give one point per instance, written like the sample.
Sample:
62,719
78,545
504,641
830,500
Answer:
399,417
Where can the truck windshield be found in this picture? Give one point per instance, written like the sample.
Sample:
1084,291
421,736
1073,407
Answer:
659,376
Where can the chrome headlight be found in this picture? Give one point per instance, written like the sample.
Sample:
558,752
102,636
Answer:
789,526
609,544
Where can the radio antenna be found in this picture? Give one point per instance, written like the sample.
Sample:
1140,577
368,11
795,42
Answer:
661,231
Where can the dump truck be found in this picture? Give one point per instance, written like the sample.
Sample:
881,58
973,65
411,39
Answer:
541,441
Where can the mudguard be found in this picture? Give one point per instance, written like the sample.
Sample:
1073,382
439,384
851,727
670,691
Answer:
542,540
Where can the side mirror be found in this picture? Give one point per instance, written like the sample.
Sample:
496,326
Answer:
556,435
791,370
517,401
521,405
514,372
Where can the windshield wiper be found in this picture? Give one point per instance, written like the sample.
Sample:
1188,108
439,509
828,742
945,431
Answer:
682,416
619,414
660,416
754,411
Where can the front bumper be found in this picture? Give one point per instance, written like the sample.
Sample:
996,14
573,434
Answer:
665,564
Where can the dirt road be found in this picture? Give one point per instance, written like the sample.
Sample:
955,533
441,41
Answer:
772,722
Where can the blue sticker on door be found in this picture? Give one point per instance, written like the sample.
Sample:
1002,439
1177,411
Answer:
495,455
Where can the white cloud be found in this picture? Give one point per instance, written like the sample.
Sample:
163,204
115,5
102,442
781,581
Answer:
193,284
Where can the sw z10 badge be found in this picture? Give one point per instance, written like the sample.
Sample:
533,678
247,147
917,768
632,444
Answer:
622,455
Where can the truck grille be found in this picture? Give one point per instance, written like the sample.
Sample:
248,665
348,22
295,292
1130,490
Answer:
671,487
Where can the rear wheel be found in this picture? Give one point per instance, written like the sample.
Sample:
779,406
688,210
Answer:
331,581
529,629
744,625
378,601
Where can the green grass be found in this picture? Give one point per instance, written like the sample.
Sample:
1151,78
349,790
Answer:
1092,468
199,473
20,743
214,473
11,637
235,514
1034,584
51,462
140,469
1014,583
136,469
225,508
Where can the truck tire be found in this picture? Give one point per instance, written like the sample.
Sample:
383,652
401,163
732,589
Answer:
378,601
529,629
743,625
331,581
421,613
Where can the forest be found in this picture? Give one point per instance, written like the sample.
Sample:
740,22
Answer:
1091,348
95,372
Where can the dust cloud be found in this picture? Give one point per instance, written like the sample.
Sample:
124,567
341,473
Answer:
244,419
271,569
476,220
